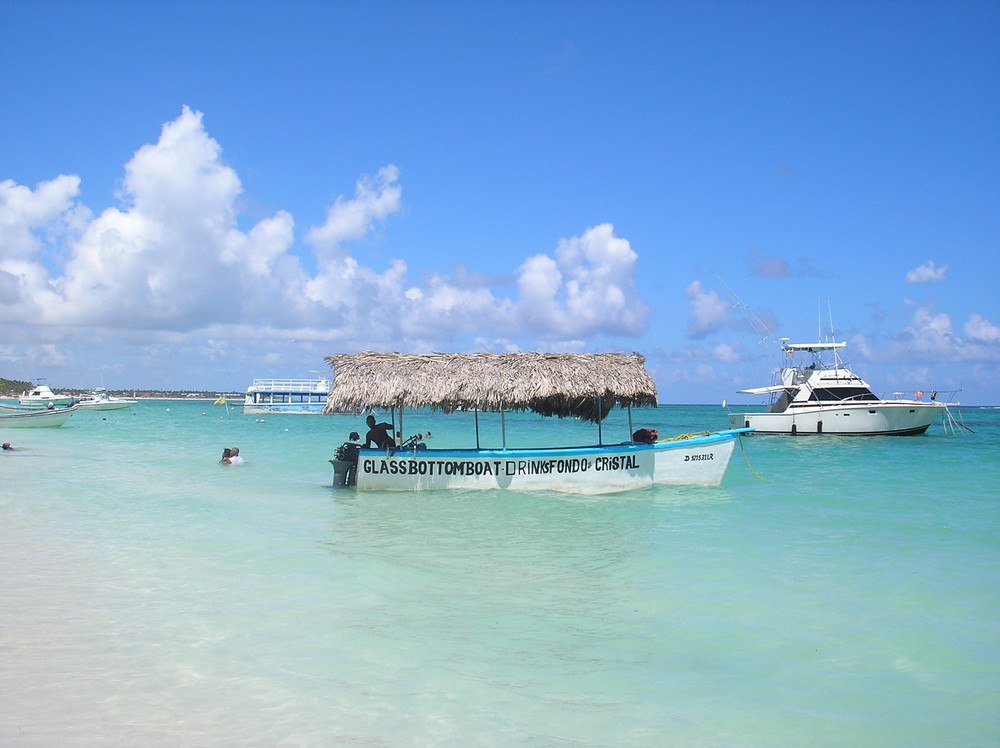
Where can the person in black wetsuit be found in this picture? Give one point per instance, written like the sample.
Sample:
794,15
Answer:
378,434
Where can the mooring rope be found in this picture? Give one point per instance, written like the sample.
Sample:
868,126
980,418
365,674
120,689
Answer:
685,436
747,459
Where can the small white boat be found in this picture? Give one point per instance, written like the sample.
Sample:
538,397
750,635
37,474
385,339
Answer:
823,396
15,417
100,399
41,395
286,396
586,386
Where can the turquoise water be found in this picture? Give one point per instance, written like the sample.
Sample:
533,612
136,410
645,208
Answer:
150,596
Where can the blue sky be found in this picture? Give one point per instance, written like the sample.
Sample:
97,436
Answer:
196,194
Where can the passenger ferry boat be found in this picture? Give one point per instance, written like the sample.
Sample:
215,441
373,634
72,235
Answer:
287,396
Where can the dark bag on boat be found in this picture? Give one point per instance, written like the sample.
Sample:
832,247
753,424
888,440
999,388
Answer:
646,436
347,452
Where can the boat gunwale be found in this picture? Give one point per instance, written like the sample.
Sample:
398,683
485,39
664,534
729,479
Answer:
23,410
858,405
540,452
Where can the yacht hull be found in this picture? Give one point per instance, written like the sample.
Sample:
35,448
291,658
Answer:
886,418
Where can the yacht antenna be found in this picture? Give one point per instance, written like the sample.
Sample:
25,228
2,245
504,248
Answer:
757,325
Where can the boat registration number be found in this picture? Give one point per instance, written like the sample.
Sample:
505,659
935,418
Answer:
697,458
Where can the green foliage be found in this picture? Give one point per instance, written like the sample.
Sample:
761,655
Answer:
14,386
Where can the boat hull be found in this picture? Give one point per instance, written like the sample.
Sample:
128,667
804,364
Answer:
105,404
43,402
694,460
15,418
295,408
870,419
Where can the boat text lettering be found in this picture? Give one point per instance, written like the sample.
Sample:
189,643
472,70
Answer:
695,458
409,466
621,462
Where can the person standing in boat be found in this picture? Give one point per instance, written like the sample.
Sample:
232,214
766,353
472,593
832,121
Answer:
378,434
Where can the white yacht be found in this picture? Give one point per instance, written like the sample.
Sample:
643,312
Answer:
41,396
101,399
823,396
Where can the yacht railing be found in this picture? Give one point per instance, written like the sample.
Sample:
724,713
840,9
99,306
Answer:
945,397
292,385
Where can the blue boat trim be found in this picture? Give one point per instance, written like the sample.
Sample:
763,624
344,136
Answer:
578,451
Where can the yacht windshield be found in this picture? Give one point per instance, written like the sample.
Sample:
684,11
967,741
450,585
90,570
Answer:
836,394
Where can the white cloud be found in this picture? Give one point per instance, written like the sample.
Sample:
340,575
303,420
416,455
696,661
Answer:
709,312
927,273
980,329
860,344
448,306
726,353
31,221
587,288
23,212
931,336
170,261
599,287
375,199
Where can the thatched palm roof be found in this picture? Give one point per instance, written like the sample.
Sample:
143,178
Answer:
560,384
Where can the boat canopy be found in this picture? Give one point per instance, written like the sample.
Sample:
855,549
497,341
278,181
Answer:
581,385
812,347
766,390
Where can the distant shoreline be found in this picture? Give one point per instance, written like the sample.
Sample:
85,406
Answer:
198,399
234,397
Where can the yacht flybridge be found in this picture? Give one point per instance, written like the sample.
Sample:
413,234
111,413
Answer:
821,395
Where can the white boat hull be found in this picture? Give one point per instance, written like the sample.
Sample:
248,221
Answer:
105,404
893,418
694,460
294,408
16,418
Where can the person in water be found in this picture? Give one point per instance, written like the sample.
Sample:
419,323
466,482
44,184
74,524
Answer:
378,434
227,456
7,447
234,456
